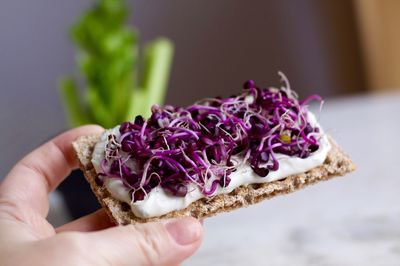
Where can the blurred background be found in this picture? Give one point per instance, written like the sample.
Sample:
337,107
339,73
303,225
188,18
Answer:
340,49
319,45
219,45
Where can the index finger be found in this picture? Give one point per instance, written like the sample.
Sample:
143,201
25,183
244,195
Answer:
42,170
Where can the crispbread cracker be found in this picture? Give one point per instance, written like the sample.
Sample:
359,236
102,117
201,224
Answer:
337,163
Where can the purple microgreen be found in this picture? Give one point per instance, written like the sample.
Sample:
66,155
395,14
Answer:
204,143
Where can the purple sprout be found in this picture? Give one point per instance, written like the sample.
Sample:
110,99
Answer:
178,146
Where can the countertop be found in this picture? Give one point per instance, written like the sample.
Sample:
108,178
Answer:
350,220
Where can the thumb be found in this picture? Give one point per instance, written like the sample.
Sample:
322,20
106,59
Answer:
163,243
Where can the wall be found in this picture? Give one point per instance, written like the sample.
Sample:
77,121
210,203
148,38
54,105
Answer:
219,44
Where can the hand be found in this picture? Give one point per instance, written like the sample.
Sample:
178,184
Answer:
26,238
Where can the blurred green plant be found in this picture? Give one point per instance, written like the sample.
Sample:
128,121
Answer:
108,59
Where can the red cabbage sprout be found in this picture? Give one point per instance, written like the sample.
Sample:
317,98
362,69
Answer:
179,146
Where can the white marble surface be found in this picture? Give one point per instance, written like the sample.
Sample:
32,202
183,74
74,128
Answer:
351,220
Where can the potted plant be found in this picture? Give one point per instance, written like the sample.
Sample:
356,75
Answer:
120,81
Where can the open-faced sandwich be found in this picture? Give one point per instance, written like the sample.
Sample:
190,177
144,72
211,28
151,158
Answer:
213,156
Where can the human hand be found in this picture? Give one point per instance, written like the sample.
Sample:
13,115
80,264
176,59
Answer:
26,238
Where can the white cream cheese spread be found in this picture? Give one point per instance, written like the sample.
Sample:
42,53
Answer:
158,202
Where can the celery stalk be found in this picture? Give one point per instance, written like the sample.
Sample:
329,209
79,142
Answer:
107,59
157,65
72,103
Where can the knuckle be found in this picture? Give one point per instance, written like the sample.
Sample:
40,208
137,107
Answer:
73,242
71,248
150,244
11,209
78,247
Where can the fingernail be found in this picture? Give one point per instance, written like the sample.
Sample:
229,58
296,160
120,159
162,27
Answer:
184,231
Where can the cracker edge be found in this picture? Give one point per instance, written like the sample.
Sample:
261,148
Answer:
337,163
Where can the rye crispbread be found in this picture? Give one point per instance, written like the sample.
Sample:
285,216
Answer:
337,163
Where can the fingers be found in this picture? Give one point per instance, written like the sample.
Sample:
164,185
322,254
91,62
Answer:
167,243
95,221
42,170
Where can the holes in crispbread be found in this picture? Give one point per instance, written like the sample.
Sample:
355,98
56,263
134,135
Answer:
125,207
256,186
328,160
